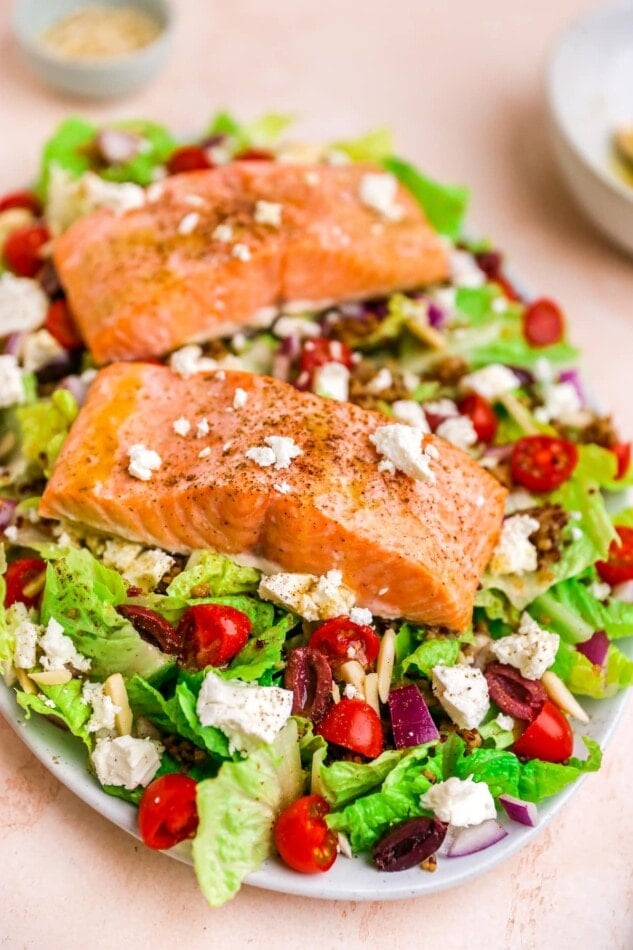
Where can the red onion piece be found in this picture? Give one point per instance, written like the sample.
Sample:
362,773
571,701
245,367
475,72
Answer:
281,366
524,813
525,377
411,720
624,592
76,386
499,453
477,838
7,510
572,376
116,146
436,315
595,648
13,344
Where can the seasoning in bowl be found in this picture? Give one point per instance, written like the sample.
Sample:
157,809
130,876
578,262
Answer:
623,152
100,32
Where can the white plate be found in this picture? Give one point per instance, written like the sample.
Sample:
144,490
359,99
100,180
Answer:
355,879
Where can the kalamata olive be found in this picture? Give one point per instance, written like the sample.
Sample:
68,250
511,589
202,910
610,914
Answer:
309,676
409,843
151,627
513,693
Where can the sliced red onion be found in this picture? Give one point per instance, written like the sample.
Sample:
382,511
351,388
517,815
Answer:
116,146
76,386
525,813
7,510
281,366
525,377
212,141
499,453
572,376
436,315
595,648
624,592
13,344
290,346
477,838
410,718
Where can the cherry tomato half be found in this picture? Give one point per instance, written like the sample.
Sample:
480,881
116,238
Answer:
542,462
622,452
318,352
481,414
212,634
167,812
619,567
60,324
303,838
548,737
21,199
22,249
24,579
353,724
188,158
341,640
543,323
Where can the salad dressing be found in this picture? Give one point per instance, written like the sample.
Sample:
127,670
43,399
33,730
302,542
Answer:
100,32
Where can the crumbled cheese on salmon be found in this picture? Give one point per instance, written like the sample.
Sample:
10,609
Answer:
181,426
202,428
241,252
23,304
332,381
458,430
378,191
204,453
69,198
143,461
223,233
59,650
11,385
39,349
283,488
532,650
189,360
126,761
491,382
189,223
268,212
279,451
401,446
246,713
463,693
460,802
411,413
312,597
240,398
515,553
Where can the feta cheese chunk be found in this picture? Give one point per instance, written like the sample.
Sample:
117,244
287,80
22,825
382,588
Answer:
332,381
39,349
143,461
296,327
223,233
463,693
247,714
279,451
378,191
561,403
491,382
458,430
411,413
241,252
71,198
181,426
240,398
126,761
24,652
401,446
11,386
515,553
361,616
23,305
460,802
312,597
382,380
464,270
189,360
268,212
103,709
189,223
532,650
59,650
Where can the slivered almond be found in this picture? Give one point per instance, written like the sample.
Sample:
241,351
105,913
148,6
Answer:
352,672
426,333
26,682
336,693
52,677
384,664
371,691
344,846
114,687
560,695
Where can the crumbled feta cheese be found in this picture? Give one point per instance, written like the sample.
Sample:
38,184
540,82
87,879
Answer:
24,652
441,407
480,501
361,616
446,299
268,212
47,702
39,349
240,398
499,305
515,553
575,533
532,650
189,223
103,709
204,453
283,488
519,500
460,802
196,201
279,451
561,402
189,360
401,445
543,370
312,597
491,382
332,381
459,430
238,342
247,714
411,413
59,650
350,692
383,591
143,461
463,692
11,386
181,426
70,198
601,591
312,178
505,722
379,191
120,555
23,305
464,270
223,233
202,428
382,380
297,327
241,252
126,761
148,569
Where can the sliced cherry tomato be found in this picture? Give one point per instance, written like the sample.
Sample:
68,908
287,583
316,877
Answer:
548,737
212,634
543,323
318,352
542,462
353,724
21,199
341,640
481,414
255,155
188,158
22,249
24,579
622,452
619,567
303,838
167,812
60,324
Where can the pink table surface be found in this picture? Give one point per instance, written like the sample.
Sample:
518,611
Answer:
462,85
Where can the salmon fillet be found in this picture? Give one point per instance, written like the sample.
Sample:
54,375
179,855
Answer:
405,547
154,278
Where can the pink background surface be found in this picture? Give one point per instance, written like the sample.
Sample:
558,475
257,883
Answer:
462,86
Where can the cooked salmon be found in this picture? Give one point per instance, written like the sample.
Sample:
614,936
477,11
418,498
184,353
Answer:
405,546
217,250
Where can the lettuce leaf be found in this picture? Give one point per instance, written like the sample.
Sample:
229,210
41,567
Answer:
342,782
158,146
69,707
374,146
586,679
263,652
44,425
262,132
573,612
431,653
68,148
444,205
213,574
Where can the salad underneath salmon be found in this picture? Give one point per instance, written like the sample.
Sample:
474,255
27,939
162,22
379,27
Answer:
306,521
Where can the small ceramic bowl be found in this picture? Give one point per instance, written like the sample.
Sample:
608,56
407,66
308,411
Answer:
589,91
89,78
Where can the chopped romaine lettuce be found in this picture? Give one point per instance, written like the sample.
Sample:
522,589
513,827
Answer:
444,205
374,146
342,782
262,132
44,425
68,707
587,679
213,574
